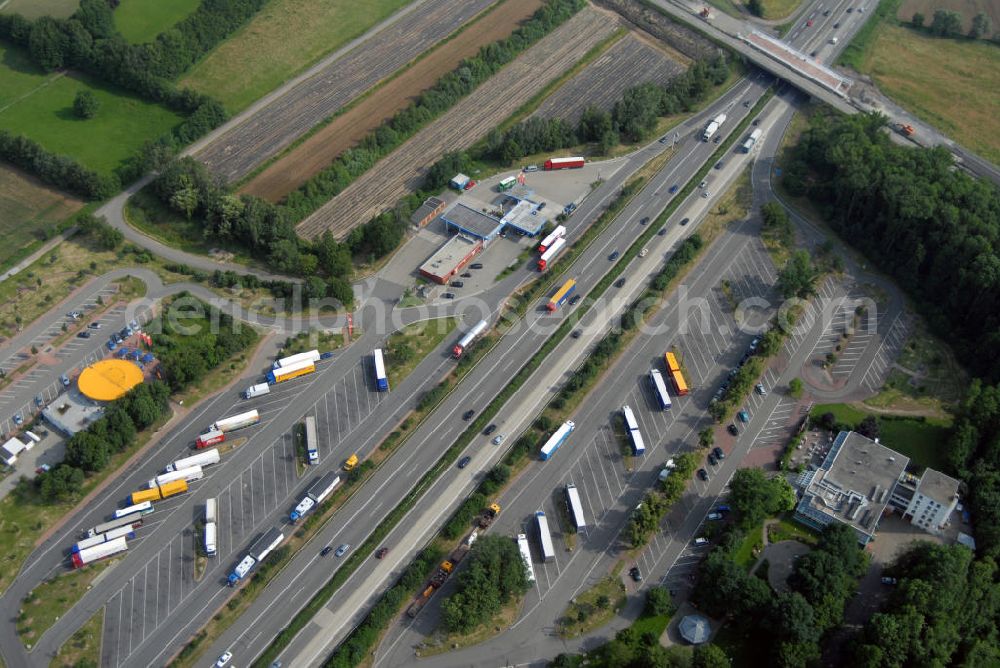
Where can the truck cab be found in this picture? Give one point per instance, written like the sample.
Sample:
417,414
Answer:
351,462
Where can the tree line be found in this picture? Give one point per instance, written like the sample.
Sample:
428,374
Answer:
495,574
946,23
57,170
88,41
934,228
632,119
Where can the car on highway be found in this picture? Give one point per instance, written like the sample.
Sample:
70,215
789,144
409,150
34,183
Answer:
706,193
326,550
448,295
476,265
703,474
464,461
700,540
685,221
704,182
342,550
64,379
226,657
760,390
826,12
644,252
467,415
382,552
574,299
712,460
756,121
644,220
718,139
715,517
614,256
498,439
674,188
576,333
94,325
732,429
719,454
489,430
809,23
837,24
719,164
743,416
83,335
662,232
635,573
457,284
620,282
850,10
664,139
746,104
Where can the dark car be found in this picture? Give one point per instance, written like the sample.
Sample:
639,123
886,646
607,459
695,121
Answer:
614,256
719,454
644,220
448,295
464,461
382,552
476,265
576,333
541,206
685,221
756,121
674,188
574,299
467,275
467,415
83,335
733,430
703,474
837,24
457,284
326,550
662,232
327,355
635,573
39,400
813,54
620,282
489,430
826,13
94,325
712,460
719,164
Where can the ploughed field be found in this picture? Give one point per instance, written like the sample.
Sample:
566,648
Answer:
315,153
279,122
465,124
629,62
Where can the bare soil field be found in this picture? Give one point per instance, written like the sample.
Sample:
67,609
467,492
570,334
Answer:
278,123
466,123
315,153
677,36
27,206
629,62
965,8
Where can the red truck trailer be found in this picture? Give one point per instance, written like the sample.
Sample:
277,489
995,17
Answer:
564,163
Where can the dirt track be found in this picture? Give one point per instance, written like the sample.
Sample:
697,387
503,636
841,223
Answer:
345,131
264,134
629,62
461,127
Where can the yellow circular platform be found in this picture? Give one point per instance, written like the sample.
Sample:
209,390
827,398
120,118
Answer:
108,380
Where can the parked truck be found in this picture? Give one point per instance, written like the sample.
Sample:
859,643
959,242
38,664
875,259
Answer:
564,163
318,492
189,474
206,458
713,127
98,552
752,140
211,530
127,531
258,390
235,422
310,356
290,371
469,337
164,491
488,515
441,575
211,437
258,551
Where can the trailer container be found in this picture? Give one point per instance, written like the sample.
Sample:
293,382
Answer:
318,492
211,437
545,537
557,233
235,422
561,295
310,356
752,140
190,474
575,506
378,363
290,372
660,389
211,539
125,531
143,508
713,126
210,509
258,551
469,337
98,552
145,495
564,163
550,254
312,443
522,545
258,390
133,520
556,440
676,375
632,426
203,459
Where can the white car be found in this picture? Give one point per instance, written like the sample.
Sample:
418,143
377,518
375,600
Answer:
644,252
498,439
706,194
703,184
226,657
715,516
700,540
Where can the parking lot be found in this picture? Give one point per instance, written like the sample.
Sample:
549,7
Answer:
163,581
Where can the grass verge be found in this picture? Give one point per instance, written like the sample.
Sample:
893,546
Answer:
83,647
593,608
408,347
786,529
443,643
142,20
50,600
